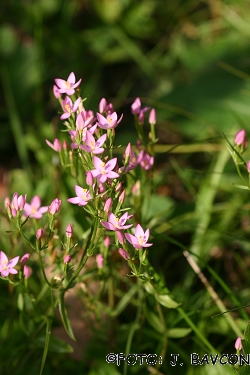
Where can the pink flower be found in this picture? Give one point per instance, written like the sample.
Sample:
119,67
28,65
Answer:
104,171
55,206
124,254
83,120
67,87
114,223
33,209
238,344
108,123
83,196
99,261
69,107
146,161
57,145
27,271
92,145
25,259
89,178
18,202
140,239
6,266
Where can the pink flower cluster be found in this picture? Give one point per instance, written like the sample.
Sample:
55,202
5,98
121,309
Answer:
91,135
7,266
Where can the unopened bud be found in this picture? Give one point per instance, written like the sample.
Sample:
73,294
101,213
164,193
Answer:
67,259
69,231
238,344
124,254
39,233
152,117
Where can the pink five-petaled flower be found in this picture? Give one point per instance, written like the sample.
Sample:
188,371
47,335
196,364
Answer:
7,266
69,107
146,161
92,145
83,196
140,239
136,107
57,145
67,87
104,171
114,223
33,209
108,123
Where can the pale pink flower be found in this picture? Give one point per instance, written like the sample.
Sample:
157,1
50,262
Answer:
140,239
114,223
99,261
82,198
55,206
108,122
67,87
69,107
83,120
104,171
27,271
124,254
238,344
18,202
57,145
7,266
34,209
146,161
92,145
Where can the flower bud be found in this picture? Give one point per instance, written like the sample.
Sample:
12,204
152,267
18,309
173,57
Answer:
99,261
55,206
27,271
67,259
124,254
108,205
107,242
18,202
56,92
120,237
241,139
238,344
89,178
39,233
25,259
69,231
152,117
122,196
102,105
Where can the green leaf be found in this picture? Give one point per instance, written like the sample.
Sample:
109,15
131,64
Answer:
55,345
166,301
242,187
124,301
64,316
177,333
154,321
46,344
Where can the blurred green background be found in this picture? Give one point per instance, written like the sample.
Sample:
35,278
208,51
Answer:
189,59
